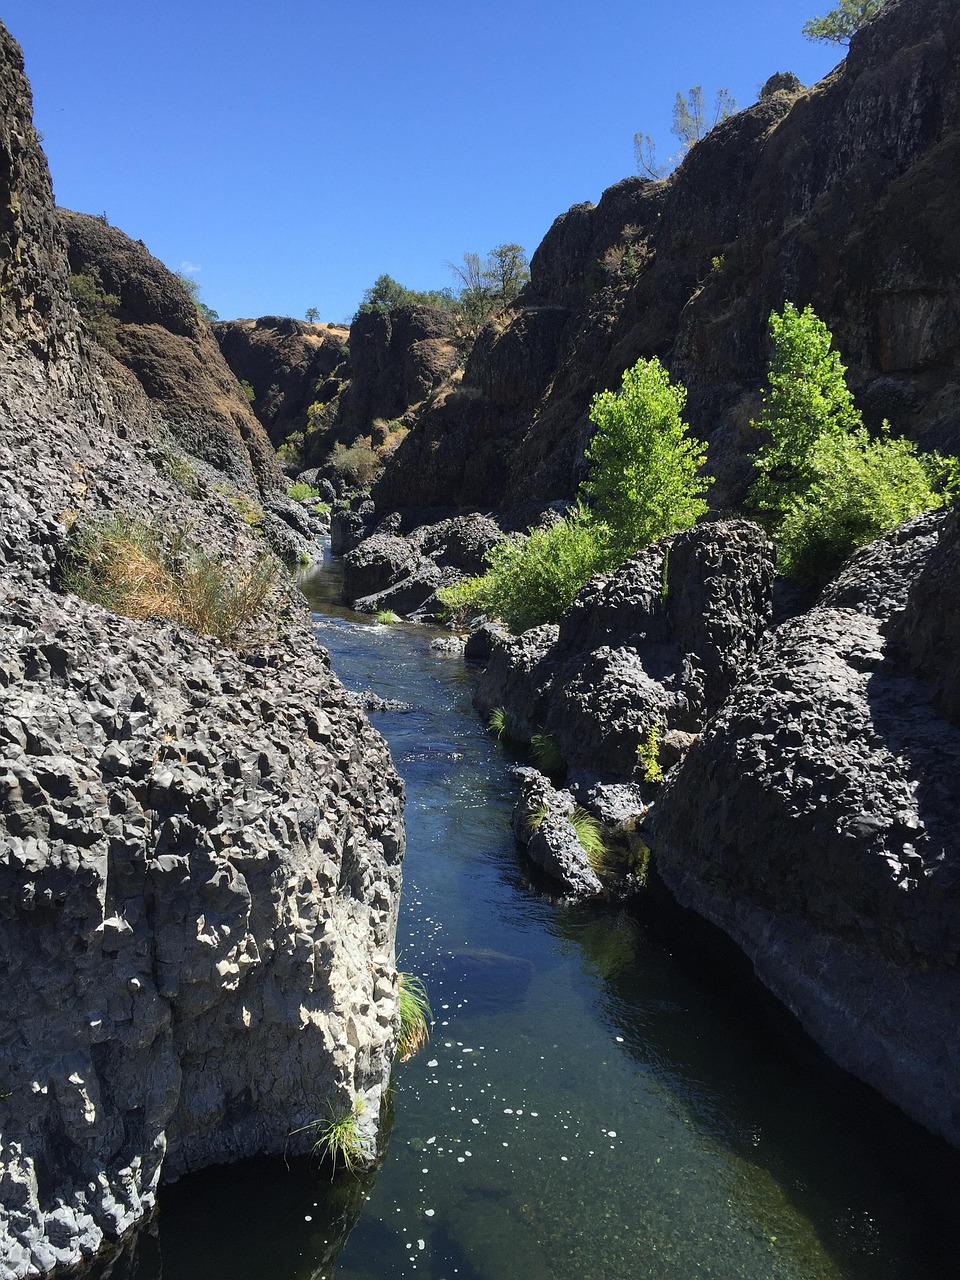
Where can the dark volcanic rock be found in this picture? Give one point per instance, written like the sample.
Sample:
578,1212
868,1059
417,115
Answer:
397,358
541,825
290,365
843,196
161,338
815,819
658,644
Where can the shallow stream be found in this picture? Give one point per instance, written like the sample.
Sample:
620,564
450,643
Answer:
608,1093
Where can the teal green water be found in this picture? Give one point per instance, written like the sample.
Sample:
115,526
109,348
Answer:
608,1094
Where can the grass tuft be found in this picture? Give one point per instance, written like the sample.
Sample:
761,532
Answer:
143,570
415,1015
338,1140
387,617
590,834
499,724
536,816
546,753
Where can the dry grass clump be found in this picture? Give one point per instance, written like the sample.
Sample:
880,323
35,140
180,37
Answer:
144,570
359,464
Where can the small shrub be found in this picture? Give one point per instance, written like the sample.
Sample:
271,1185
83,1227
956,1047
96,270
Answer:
338,1140
648,756
499,724
415,1015
300,492
248,390
532,580
387,617
546,752
290,453
97,307
465,600
321,508
358,464
178,469
859,489
250,512
134,567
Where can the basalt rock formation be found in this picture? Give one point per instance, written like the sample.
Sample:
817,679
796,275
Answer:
200,848
157,334
843,196
657,645
290,365
814,819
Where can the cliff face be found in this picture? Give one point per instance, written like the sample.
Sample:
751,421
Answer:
200,849
288,363
158,335
843,196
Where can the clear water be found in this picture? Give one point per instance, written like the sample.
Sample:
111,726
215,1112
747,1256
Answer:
607,1094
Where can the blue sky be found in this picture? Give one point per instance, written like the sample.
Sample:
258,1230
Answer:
287,152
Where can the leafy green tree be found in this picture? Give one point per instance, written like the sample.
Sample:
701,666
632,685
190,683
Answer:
312,314
386,294
823,485
840,24
488,285
808,397
645,480
193,288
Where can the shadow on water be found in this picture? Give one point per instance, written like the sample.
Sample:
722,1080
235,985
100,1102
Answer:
608,1093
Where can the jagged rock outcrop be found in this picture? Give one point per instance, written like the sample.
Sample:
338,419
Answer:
397,358
199,848
541,826
389,571
290,365
657,645
158,335
842,196
814,819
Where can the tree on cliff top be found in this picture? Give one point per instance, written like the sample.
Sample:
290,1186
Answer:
691,122
845,21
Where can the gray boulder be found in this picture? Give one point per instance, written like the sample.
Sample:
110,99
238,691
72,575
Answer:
815,818
541,825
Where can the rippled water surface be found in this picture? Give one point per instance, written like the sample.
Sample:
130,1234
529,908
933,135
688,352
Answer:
607,1095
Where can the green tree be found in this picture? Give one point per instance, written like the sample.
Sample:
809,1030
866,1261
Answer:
386,294
645,481
488,285
823,485
840,24
807,397
193,288
312,314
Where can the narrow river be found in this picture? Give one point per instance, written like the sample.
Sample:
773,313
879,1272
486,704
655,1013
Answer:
607,1095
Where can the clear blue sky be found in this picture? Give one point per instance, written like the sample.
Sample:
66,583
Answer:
287,152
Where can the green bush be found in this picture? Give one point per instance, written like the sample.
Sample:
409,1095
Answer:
859,489
465,600
300,492
359,464
644,481
824,487
532,579
96,305
648,756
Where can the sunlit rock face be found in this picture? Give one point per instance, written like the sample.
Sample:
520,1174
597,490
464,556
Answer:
200,848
